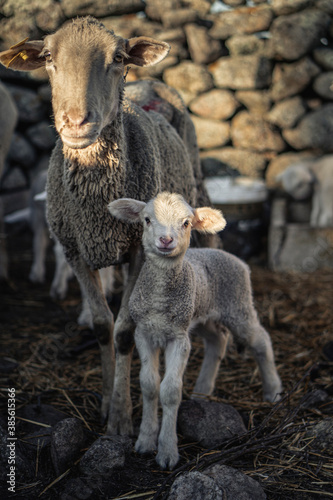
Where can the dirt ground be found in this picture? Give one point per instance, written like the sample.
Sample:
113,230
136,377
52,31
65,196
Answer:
50,360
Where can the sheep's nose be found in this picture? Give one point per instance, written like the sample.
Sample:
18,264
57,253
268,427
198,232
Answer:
166,241
78,118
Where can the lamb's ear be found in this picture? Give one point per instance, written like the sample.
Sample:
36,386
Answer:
24,56
208,220
145,51
126,209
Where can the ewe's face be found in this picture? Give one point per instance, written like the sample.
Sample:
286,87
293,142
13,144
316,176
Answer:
85,67
167,226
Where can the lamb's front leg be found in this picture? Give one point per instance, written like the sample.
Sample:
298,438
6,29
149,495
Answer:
176,356
150,385
103,325
120,411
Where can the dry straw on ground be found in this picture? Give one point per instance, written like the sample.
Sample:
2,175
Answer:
58,364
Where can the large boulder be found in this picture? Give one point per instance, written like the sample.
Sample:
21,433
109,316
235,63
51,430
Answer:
323,85
211,133
244,20
292,78
217,104
281,7
285,114
99,8
246,162
253,132
295,35
242,72
203,48
315,130
190,77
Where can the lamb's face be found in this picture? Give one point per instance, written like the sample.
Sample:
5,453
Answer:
166,226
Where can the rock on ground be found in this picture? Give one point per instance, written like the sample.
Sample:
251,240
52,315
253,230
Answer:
208,422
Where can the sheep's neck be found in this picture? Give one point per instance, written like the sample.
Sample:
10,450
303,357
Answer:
96,170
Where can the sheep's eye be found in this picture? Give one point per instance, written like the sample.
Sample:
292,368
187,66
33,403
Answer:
147,220
186,223
118,58
47,56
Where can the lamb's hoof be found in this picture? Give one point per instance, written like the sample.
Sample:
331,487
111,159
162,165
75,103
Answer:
167,460
273,396
121,427
144,445
36,278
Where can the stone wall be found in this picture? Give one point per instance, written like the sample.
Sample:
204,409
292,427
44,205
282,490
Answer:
256,76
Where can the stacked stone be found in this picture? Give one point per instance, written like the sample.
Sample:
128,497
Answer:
256,76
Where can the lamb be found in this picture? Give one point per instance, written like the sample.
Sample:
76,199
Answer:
8,120
312,177
109,148
180,288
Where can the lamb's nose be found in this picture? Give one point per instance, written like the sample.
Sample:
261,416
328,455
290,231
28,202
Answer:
166,241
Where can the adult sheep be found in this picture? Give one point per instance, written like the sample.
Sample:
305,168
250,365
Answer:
109,148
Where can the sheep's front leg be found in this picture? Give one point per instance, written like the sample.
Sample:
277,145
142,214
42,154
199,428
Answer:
63,272
103,325
120,412
41,241
176,356
150,384
215,337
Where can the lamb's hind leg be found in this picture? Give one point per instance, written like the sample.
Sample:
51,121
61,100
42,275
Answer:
103,325
215,338
256,337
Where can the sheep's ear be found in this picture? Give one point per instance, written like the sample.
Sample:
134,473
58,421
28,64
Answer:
24,56
208,220
126,209
145,51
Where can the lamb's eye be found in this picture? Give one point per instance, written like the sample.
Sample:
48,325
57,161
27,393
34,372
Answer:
147,220
186,223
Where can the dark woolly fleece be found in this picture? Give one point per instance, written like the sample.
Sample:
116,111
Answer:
138,156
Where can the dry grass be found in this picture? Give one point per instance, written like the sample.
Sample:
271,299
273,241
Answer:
57,365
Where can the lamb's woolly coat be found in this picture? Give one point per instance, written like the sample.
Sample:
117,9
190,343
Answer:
190,292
